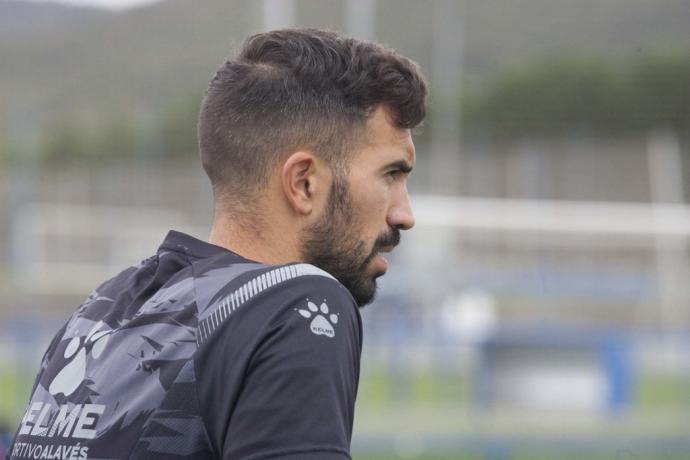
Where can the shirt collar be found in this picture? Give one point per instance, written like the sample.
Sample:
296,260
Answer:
187,244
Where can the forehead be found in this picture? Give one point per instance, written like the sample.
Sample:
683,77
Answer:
385,142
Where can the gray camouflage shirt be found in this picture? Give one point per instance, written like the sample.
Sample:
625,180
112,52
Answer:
199,353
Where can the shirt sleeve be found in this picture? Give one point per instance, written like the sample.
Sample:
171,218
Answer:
299,384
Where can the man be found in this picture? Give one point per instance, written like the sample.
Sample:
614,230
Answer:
248,346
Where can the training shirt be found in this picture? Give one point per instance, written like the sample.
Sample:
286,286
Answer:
199,353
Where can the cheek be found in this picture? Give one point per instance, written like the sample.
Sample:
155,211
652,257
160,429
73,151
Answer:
370,197
373,208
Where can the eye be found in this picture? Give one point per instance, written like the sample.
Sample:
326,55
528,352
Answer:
395,173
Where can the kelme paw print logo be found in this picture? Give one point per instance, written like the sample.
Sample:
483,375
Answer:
74,372
323,323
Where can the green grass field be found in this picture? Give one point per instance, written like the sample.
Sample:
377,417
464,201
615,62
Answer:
439,404
14,394
537,456
652,391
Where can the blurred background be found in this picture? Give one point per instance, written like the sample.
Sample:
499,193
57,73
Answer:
541,307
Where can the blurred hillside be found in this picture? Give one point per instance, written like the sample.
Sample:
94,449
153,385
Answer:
70,62
20,20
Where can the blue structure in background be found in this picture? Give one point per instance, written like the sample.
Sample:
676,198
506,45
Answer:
610,352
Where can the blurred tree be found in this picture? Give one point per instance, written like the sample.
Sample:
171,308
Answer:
4,150
177,129
565,96
69,141
117,139
662,92
549,98
66,141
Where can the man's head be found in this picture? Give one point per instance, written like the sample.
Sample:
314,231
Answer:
301,108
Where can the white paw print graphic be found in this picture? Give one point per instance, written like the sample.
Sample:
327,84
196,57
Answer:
74,372
322,324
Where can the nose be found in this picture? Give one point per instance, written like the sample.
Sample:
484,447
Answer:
400,214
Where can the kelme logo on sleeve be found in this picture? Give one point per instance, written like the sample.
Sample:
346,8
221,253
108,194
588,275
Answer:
322,322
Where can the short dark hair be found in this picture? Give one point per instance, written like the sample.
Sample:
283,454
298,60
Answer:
299,89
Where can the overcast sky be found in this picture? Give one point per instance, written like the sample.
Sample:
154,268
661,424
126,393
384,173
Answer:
109,4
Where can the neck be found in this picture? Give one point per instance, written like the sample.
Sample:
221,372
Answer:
261,243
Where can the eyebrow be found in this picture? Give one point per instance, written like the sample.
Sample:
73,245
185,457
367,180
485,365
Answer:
402,165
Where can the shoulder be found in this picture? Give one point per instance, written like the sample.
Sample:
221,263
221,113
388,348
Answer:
272,294
315,298
305,279
307,289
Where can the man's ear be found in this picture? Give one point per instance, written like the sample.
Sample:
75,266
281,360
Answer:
303,179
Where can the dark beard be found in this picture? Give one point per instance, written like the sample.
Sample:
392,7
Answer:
329,246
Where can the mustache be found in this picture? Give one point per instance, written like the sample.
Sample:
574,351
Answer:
386,239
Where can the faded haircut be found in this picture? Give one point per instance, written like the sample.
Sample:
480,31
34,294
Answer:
296,89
